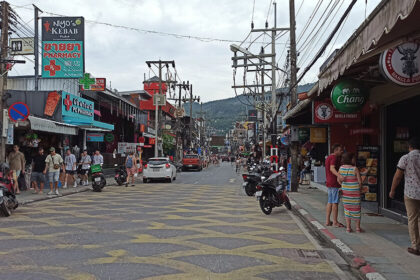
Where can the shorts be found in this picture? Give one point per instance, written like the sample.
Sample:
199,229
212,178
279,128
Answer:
333,195
16,174
131,171
84,171
70,172
53,177
38,177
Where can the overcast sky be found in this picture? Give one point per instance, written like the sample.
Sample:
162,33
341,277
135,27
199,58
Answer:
120,54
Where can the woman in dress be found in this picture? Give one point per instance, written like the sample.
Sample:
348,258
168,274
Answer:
351,187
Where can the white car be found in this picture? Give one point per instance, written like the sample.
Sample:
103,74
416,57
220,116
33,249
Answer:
159,168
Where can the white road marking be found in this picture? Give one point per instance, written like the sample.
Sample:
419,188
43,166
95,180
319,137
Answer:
374,276
317,225
293,203
343,247
303,212
232,180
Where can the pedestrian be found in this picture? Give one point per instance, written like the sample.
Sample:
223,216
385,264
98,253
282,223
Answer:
71,165
37,175
409,168
53,163
17,165
85,162
98,158
130,166
238,164
332,164
351,188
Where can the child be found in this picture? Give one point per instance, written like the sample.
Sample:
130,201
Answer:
351,187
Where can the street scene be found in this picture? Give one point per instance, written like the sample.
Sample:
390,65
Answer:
260,139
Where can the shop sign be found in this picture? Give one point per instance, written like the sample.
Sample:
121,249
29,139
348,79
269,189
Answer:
252,115
109,137
50,126
76,109
401,64
10,134
152,141
349,96
94,137
126,148
303,134
324,112
62,47
51,104
22,46
366,131
91,83
318,135
151,130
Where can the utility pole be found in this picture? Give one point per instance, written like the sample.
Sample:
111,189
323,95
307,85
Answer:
293,94
3,70
160,64
36,45
178,101
192,99
273,80
264,109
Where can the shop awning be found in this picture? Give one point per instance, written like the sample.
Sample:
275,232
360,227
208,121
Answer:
374,36
302,104
41,124
97,126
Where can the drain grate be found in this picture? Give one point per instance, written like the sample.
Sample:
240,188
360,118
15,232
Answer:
310,254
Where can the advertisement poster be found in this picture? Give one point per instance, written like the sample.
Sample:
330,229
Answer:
368,164
62,47
325,113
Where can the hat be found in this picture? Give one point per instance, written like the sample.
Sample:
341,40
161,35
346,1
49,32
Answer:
52,149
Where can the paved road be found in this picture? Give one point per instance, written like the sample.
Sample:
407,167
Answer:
200,227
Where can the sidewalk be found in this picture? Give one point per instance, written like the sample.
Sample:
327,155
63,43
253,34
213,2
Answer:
379,253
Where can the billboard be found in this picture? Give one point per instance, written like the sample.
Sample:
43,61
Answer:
63,47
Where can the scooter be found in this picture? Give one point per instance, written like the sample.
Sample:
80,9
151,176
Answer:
272,193
98,178
120,175
250,182
8,201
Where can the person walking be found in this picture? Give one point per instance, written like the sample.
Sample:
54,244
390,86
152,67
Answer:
37,175
130,166
71,165
409,168
53,163
351,186
98,158
332,164
85,162
17,165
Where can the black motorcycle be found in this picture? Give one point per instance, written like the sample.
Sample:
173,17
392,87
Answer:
8,201
98,178
120,175
272,193
251,182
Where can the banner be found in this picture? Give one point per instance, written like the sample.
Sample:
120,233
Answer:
324,112
62,47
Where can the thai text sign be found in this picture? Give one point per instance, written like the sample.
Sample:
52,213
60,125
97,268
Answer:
324,112
62,47
126,148
76,109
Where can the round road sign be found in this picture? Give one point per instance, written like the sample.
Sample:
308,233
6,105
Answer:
18,111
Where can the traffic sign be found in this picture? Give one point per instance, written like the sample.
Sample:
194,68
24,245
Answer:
160,99
18,111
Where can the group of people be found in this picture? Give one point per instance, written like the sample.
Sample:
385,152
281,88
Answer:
344,180
46,168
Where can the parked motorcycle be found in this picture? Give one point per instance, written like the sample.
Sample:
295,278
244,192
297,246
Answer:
251,182
98,178
8,201
272,193
120,175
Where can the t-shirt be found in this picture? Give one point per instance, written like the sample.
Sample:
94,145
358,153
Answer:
85,161
98,159
332,160
410,164
51,160
70,160
39,163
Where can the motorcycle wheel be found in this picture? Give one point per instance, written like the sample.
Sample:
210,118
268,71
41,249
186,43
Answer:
96,188
119,182
288,204
6,211
248,191
264,205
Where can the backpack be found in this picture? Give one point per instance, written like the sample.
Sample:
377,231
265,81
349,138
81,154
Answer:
129,163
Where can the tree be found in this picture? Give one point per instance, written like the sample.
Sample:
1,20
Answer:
168,144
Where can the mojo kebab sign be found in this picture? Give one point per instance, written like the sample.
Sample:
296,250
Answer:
349,96
62,47
401,64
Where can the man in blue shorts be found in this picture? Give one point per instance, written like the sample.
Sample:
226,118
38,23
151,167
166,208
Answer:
332,164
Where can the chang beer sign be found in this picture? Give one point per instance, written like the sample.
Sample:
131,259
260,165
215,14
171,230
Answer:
349,96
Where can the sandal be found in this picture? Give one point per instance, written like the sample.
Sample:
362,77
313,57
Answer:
349,230
359,230
339,225
329,224
413,251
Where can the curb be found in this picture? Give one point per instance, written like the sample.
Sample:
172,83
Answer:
356,262
52,197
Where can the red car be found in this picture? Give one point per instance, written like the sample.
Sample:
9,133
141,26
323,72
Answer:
192,162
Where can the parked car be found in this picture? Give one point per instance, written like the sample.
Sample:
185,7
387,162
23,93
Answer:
159,168
192,162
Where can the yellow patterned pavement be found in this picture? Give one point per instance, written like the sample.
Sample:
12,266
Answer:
157,231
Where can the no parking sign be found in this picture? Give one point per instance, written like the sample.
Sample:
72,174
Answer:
18,111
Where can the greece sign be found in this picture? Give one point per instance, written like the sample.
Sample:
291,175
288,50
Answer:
401,64
349,96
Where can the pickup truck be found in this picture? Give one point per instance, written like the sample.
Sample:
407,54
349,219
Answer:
192,162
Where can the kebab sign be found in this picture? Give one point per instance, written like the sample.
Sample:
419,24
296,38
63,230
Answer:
349,96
